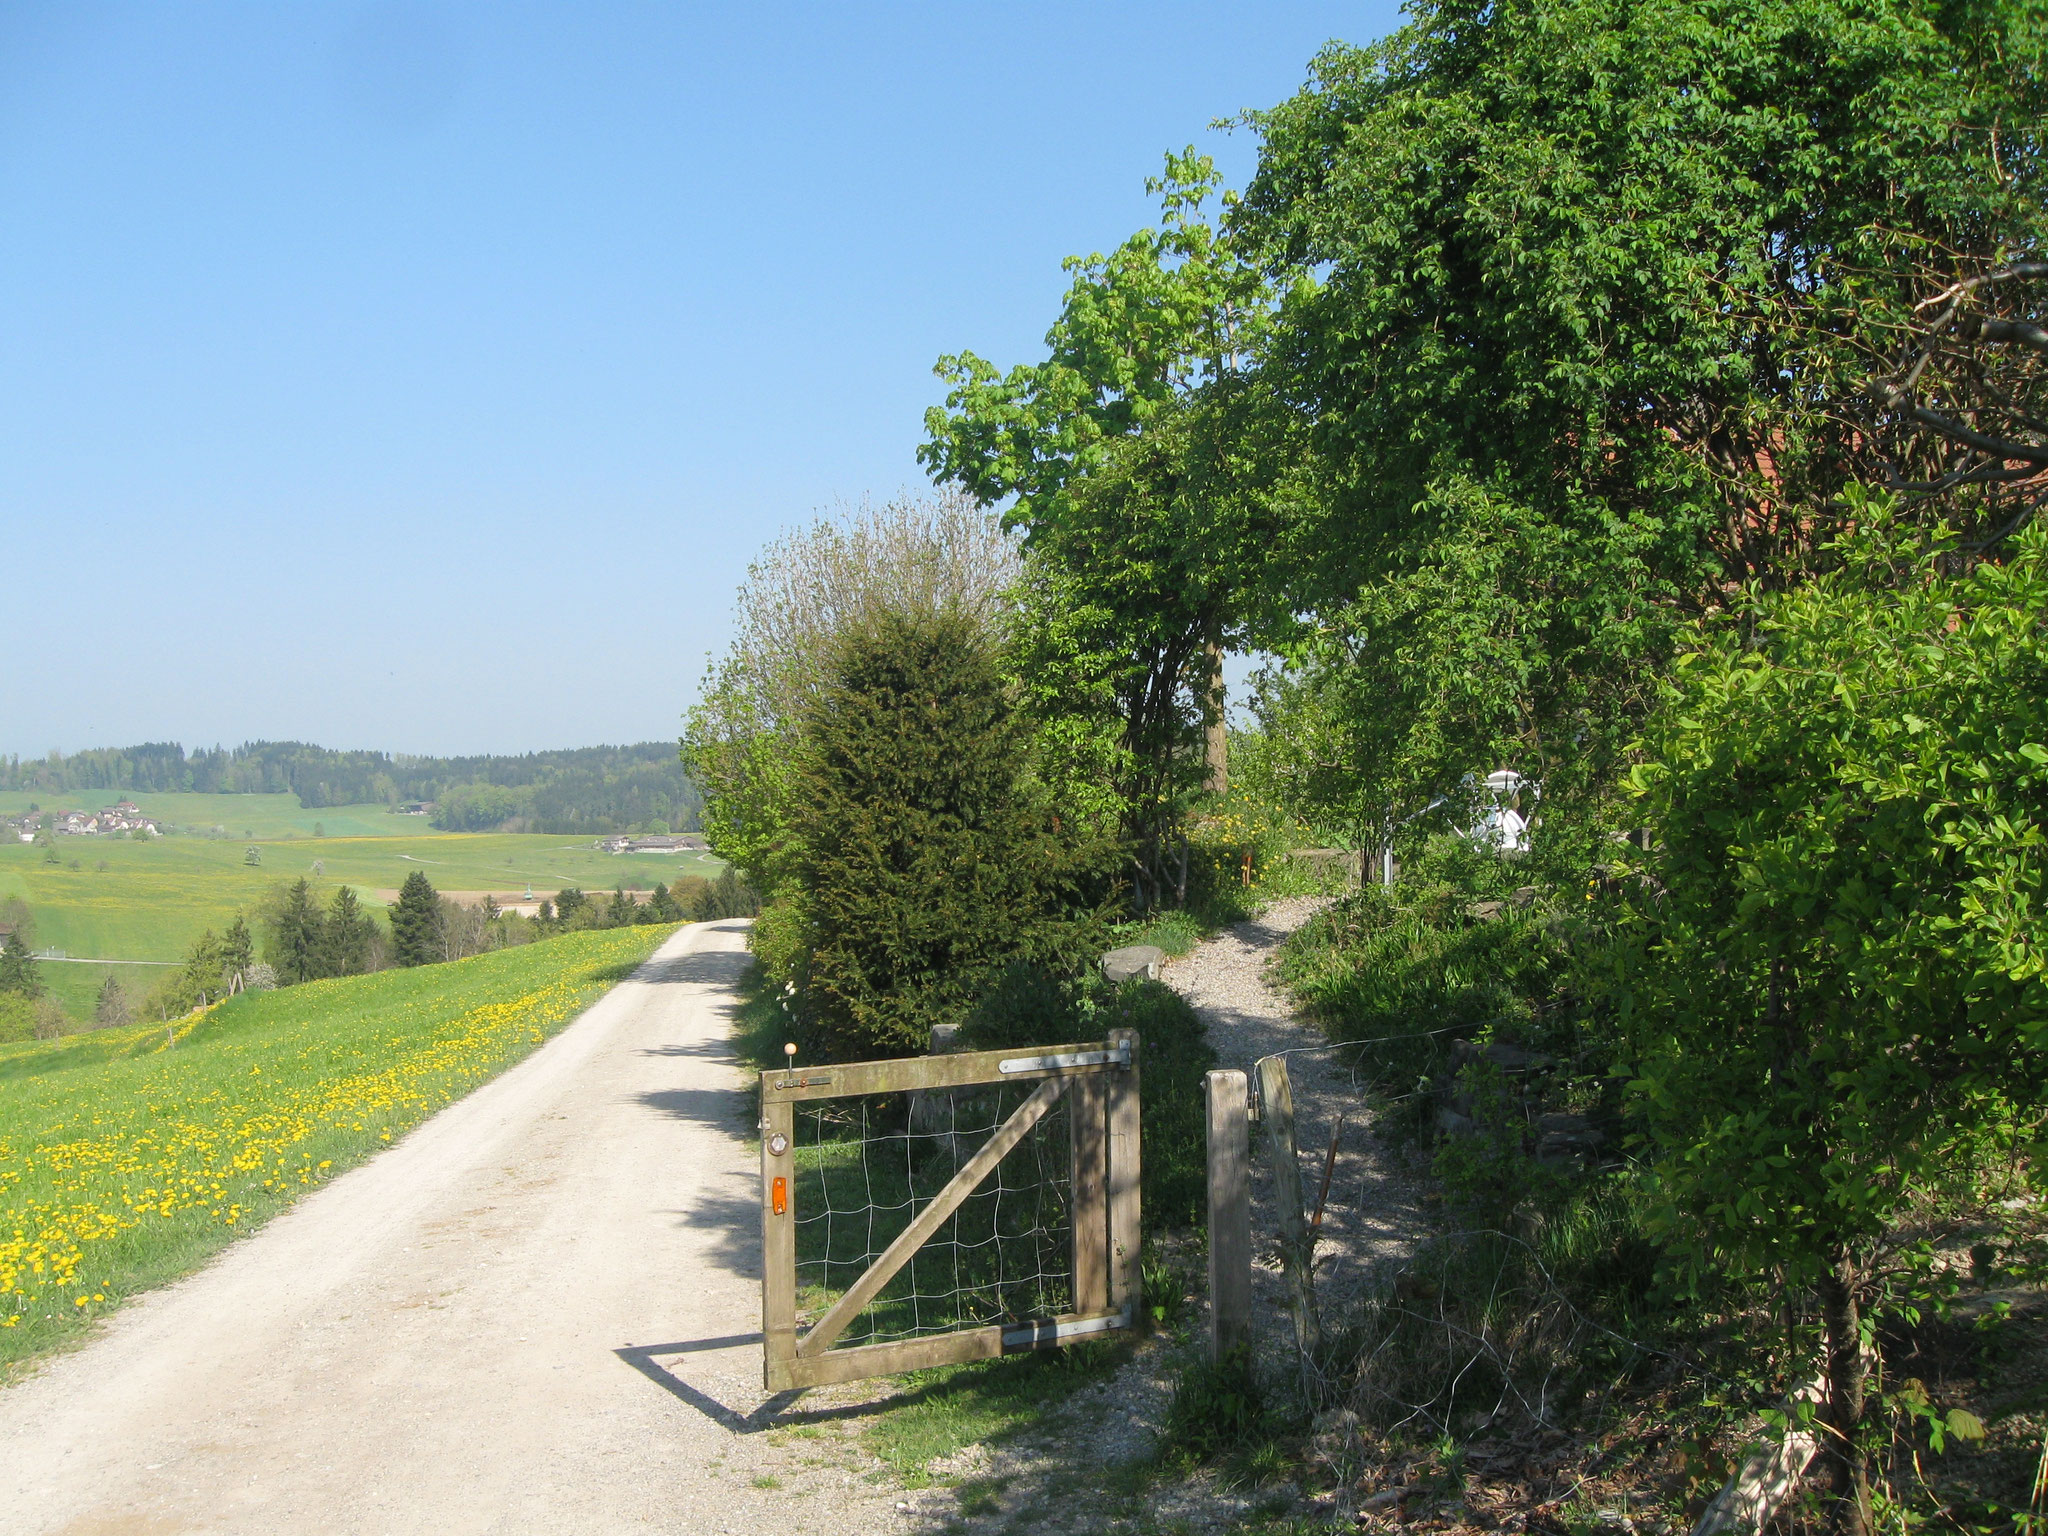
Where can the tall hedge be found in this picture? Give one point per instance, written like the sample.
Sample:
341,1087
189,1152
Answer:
925,858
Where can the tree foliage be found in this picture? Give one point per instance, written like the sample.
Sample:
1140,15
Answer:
1587,295
292,937
1131,452
348,936
111,1007
1834,991
18,968
805,593
415,923
1171,309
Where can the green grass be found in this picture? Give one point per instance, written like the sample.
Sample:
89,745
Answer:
152,899
126,1161
943,1411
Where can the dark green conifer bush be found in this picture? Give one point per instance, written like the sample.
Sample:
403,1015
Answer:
925,859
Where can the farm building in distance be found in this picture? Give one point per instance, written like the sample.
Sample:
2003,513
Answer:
686,842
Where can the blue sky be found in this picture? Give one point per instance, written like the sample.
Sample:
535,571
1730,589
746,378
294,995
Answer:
423,377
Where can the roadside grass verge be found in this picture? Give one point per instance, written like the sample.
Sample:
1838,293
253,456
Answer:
944,1411
127,1160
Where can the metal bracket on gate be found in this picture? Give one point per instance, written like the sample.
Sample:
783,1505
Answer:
1119,1056
1051,1332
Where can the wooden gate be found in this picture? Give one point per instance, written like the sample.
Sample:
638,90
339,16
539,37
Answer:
1086,1277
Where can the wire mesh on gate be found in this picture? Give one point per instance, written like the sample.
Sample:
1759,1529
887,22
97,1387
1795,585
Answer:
864,1168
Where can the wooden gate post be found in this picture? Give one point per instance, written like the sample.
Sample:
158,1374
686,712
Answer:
1088,1128
1230,1215
778,1243
1276,1114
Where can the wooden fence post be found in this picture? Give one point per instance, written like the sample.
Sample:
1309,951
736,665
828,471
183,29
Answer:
1276,1113
1230,1215
1126,1222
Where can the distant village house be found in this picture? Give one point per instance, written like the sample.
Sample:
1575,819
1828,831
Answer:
116,819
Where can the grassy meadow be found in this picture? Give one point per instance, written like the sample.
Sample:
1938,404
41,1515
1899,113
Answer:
128,1157
243,816
130,900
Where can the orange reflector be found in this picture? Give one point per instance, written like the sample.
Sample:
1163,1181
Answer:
779,1197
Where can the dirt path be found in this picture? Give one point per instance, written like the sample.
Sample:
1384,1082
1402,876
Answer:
537,1313
1372,1215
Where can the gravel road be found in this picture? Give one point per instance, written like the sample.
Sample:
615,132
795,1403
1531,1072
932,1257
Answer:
537,1313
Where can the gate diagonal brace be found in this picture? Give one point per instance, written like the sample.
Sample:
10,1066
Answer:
943,1204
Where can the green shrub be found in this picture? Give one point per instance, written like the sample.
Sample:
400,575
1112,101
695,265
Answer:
1829,982
17,1018
1414,972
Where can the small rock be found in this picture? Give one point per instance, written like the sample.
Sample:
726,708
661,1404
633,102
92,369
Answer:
1133,960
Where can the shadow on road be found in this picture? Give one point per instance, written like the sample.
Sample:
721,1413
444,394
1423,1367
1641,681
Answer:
734,1222
778,1411
717,967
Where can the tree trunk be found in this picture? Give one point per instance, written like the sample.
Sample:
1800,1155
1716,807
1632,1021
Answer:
1850,1482
1216,738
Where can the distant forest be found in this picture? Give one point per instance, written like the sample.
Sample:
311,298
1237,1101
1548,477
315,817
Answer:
579,790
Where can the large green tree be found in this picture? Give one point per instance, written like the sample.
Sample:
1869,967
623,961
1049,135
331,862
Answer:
1127,457
292,933
237,951
807,591
347,934
18,968
1130,594
1583,300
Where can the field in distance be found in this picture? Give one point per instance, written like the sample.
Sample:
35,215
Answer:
129,900
249,817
